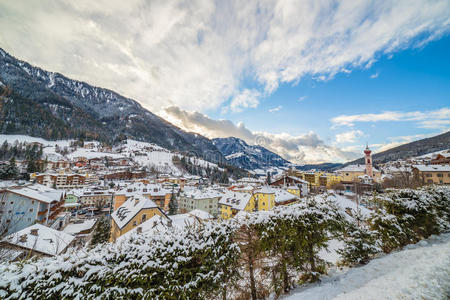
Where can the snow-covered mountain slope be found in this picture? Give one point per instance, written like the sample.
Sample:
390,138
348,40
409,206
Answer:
78,109
249,157
419,271
148,155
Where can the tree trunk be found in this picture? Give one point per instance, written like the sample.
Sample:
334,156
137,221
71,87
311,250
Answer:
252,276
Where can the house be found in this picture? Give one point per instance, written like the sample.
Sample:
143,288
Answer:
159,223
353,173
155,192
292,181
232,202
283,197
90,197
37,240
134,211
432,174
22,206
206,199
441,159
64,180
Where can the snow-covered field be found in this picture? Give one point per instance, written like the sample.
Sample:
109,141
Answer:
420,271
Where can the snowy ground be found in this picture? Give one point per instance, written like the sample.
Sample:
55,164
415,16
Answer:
420,271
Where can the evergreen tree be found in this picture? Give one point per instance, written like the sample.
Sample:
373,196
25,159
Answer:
102,232
269,179
173,204
360,245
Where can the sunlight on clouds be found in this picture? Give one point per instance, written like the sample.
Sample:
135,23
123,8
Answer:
197,54
436,119
305,148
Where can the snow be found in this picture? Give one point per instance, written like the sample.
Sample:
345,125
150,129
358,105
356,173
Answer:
432,168
48,240
345,203
38,192
74,229
419,271
282,196
201,214
237,200
130,208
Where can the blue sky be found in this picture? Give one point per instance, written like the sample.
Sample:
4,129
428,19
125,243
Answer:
310,80
416,79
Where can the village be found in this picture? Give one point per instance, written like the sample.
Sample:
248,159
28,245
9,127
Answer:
91,188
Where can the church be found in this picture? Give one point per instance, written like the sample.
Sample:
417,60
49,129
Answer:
361,173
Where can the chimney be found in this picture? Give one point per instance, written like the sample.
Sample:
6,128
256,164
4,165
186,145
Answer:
23,238
34,231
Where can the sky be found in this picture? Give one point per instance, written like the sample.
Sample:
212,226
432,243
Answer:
312,80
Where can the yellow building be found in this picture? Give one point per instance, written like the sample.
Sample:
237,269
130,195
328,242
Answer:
155,192
432,174
133,212
352,173
233,202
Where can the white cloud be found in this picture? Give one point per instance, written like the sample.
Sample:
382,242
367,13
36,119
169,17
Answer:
198,54
373,76
435,119
304,148
275,109
246,99
302,98
348,137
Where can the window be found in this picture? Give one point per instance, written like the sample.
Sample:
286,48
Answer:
135,223
429,181
440,175
428,175
144,217
32,201
31,210
29,219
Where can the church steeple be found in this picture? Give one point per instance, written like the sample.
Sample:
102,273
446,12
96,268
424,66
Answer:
368,159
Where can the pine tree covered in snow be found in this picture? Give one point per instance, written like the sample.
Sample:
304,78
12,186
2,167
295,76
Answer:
360,245
102,232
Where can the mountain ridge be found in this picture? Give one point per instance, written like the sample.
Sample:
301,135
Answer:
92,112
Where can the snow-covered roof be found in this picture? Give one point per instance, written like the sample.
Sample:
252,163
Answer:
201,214
195,193
130,208
298,179
356,168
74,229
282,196
47,240
38,192
237,200
432,168
142,188
155,223
265,190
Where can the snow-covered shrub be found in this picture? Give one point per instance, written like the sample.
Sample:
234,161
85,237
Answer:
172,264
407,216
290,239
360,245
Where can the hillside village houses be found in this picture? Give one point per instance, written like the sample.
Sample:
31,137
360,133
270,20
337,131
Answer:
35,240
357,173
152,191
205,199
432,174
133,212
23,206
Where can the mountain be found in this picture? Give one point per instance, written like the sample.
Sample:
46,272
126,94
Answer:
413,149
238,153
49,105
321,167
